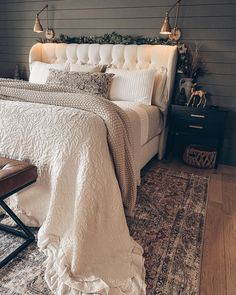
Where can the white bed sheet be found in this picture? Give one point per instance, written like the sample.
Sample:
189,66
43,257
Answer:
146,123
146,120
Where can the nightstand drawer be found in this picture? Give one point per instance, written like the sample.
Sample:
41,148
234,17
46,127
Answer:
199,115
200,127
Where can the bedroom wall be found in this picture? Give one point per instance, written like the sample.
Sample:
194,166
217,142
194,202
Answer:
211,23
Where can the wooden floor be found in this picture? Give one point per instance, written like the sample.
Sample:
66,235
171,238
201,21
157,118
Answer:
218,275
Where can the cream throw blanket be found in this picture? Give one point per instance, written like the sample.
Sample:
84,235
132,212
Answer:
84,233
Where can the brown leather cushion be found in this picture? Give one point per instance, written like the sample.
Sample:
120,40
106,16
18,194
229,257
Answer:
15,174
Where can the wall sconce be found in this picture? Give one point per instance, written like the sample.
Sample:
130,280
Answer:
49,33
166,31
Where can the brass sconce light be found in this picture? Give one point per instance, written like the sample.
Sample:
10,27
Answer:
166,31
49,33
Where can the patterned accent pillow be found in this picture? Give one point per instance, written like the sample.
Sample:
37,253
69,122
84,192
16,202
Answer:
93,83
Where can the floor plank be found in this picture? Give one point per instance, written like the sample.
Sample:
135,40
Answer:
213,262
215,188
223,169
229,194
229,208
230,252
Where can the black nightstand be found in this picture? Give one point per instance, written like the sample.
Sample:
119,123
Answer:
192,125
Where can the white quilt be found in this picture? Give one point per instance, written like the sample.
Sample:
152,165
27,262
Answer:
84,232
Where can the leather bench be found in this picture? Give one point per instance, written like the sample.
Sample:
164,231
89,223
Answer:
14,176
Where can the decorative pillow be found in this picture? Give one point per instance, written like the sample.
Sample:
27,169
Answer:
84,68
94,83
136,85
160,92
40,71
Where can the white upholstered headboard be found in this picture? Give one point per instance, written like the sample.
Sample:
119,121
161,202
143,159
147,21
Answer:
122,56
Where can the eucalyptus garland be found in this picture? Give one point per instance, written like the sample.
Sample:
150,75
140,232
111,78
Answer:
113,38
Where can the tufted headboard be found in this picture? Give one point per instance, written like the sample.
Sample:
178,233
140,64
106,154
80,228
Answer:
122,56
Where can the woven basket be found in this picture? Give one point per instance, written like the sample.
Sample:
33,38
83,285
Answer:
200,156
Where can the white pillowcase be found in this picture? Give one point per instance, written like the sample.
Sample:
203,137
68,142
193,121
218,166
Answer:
40,71
136,85
160,92
84,68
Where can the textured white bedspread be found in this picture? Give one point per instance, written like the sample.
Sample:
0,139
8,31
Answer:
76,199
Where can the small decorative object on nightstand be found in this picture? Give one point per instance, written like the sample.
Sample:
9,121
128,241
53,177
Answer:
181,97
17,73
198,97
196,126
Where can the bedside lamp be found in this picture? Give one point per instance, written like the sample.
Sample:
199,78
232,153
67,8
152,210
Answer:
166,31
49,33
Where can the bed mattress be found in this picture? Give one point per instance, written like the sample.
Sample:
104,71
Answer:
146,120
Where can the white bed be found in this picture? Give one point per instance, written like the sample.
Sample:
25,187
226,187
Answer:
77,199
127,57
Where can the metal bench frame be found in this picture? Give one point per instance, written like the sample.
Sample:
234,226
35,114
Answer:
25,233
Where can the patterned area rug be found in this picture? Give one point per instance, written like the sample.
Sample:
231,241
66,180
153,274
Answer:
169,224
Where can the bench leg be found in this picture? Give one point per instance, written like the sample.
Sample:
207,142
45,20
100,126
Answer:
26,234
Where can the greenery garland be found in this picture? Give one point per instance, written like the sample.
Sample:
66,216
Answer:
113,38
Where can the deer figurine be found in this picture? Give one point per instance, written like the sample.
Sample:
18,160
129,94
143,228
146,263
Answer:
197,93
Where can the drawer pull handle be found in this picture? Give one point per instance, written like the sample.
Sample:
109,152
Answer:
197,116
195,126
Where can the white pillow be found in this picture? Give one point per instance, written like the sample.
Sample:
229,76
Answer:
84,68
40,71
160,92
136,85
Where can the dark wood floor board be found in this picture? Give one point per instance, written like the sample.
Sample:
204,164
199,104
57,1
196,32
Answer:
213,279
230,253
